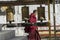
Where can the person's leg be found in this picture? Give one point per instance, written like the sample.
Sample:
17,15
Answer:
31,35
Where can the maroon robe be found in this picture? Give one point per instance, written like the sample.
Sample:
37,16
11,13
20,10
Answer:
32,19
32,29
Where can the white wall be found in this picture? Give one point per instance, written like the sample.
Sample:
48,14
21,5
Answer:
33,7
18,13
2,19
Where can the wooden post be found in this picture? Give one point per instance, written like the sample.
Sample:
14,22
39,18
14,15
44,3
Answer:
49,19
54,19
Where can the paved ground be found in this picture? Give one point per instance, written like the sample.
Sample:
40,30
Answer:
25,38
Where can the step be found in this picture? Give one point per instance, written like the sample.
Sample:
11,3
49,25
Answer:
20,38
7,34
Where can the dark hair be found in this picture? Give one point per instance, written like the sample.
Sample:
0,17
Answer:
34,11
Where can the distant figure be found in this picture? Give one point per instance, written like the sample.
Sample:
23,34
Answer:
32,29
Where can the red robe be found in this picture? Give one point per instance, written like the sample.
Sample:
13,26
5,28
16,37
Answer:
32,32
32,19
31,29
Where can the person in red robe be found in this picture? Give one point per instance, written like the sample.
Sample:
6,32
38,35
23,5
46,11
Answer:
32,29
32,20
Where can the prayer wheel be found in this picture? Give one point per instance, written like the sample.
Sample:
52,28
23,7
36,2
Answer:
41,13
10,15
25,13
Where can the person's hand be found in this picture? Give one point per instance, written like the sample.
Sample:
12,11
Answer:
26,18
41,18
33,23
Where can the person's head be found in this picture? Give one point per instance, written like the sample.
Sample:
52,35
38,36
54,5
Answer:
35,11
